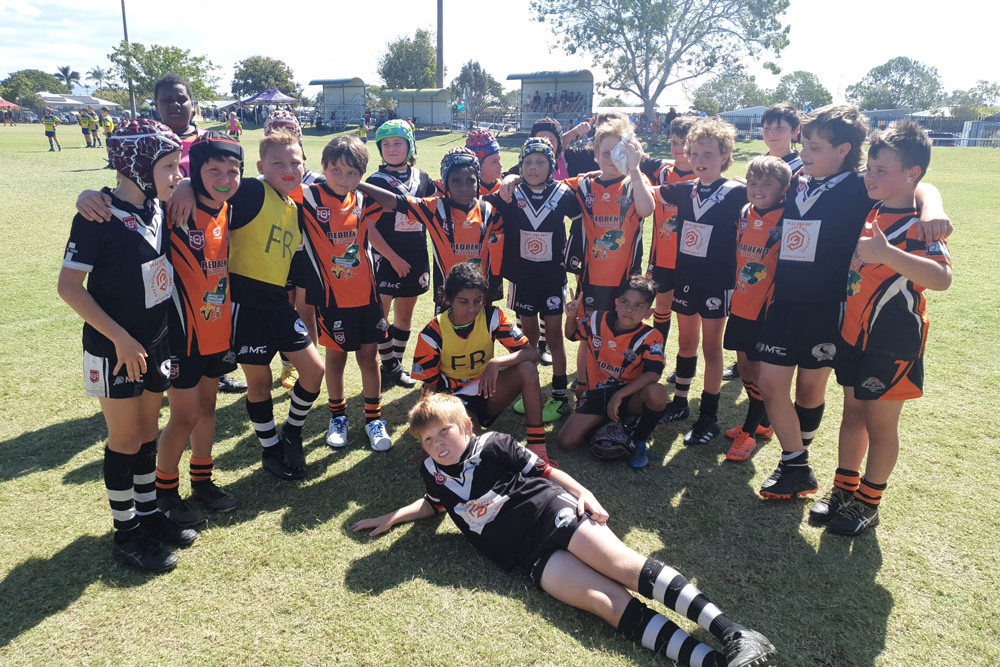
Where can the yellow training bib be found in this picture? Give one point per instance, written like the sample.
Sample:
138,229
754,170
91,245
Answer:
263,248
465,358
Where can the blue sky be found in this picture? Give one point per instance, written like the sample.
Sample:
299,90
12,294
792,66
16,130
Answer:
838,42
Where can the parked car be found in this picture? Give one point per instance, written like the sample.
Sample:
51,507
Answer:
943,138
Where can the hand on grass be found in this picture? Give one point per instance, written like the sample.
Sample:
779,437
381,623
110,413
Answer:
377,526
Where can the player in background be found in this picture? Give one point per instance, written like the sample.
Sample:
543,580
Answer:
884,330
49,122
402,271
518,511
758,241
126,360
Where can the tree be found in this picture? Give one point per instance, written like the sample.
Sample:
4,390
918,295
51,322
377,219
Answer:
901,83
99,76
148,64
977,102
476,88
68,76
803,89
733,90
410,63
37,80
647,45
612,102
258,73
375,99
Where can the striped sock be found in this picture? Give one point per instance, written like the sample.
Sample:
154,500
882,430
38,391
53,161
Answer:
559,384
337,407
373,409
262,419
399,339
848,480
663,583
385,354
144,479
166,483
661,635
869,492
118,483
686,368
299,407
535,441
201,470
809,419
661,322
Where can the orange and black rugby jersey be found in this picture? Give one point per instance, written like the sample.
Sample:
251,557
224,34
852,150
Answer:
757,242
666,225
617,357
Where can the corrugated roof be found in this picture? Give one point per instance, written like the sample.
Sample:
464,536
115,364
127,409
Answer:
569,74
419,93
337,82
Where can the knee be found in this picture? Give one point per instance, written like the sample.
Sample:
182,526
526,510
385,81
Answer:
567,439
654,396
185,420
528,371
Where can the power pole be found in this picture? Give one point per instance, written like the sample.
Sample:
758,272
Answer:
128,57
440,63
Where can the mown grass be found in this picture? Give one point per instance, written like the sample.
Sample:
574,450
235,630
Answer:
283,581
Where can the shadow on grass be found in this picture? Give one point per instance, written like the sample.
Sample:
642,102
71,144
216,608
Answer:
50,446
42,587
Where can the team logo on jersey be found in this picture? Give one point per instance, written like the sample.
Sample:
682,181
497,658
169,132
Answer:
553,302
853,282
130,223
423,280
597,342
393,182
589,200
874,385
300,327
166,368
522,203
349,260
656,348
323,214
230,357
95,375
713,303
611,240
439,478
630,355
774,234
624,202
217,233
382,325
196,238
564,517
752,273
175,368
824,351
339,337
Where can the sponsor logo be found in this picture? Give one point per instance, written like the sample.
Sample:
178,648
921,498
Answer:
824,351
323,214
853,282
196,239
120,379
253,349
630,356
130,223
564,517
610,241
624,202
713,303
681,302
606,196
613,345
589,300
752,273
656,348
597,342
776,350
874,385
217,233
244,349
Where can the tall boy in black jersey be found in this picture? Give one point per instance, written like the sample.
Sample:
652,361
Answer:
825,211
534,237
708,210
518,511
124,305
402,272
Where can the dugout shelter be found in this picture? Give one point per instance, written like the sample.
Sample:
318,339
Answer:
426,106
344,97
565,96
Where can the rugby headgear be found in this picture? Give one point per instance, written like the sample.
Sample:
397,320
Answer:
211,145
280,119
482,144
610,442
537,145
136,146
549,125
456,158
396,128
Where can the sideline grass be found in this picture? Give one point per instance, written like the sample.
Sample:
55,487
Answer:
282,581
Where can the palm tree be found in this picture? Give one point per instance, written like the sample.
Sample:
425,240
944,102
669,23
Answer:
98,76
68,76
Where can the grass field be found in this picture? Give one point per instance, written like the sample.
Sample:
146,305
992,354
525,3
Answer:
283,581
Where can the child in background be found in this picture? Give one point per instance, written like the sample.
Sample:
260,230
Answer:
455,355
458,221
534,236
518,511
49,122
340,284
126,358
624,360
363,130
235,126
825,211
780,128
84,119
402,272
200,329
487,149
709,210
884,330
758,241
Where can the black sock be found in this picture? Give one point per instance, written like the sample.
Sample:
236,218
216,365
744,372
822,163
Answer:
661,635
755,415
663,583
765,421
118,483
144,479
709,408
262,419
559,384
809,419
647,422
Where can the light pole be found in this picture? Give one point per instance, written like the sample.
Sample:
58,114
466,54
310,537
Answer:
128,58
440,53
